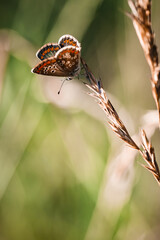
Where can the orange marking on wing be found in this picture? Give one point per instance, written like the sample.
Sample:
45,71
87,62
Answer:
56,49
44,52
52,61
44,64
41,57
72,43
40,68
52,48
64,51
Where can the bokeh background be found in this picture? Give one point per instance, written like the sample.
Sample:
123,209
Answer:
63,173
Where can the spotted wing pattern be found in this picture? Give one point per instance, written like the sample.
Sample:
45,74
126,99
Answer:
47,50
66,40
49,67
65,63
68,59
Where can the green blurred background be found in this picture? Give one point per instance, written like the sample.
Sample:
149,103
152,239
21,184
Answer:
63,173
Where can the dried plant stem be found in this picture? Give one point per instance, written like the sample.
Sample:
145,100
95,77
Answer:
148,155
146,150
141,17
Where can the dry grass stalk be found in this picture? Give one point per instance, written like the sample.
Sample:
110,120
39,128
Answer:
148,155
113,119
141,17
117,125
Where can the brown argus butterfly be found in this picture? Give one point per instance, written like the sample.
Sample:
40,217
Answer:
60,59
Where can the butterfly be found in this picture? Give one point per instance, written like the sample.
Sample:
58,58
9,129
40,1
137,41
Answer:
59,59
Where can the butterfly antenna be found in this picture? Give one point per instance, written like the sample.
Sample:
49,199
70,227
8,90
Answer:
61,86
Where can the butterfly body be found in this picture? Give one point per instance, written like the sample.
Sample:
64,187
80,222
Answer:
61,59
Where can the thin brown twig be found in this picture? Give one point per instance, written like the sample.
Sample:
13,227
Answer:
141,17
116,124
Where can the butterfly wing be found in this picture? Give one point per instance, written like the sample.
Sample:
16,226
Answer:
67,40
49,67
68,58
47,50
65,63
